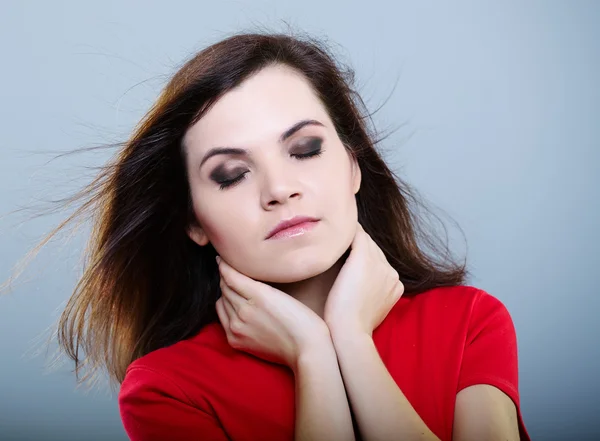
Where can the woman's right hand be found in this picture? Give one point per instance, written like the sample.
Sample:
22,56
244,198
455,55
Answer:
265,321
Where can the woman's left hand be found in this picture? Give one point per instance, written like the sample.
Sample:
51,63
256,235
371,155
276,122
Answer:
365,290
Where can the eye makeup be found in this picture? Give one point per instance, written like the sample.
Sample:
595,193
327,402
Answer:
310,147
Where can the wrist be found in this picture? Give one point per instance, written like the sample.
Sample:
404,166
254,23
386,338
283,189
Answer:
342,333
345,326
318,351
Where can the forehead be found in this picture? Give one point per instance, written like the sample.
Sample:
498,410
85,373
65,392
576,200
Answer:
258,110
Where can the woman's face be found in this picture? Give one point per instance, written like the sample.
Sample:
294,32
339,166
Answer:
240,196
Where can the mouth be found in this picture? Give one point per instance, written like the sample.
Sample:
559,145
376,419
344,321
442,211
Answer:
293,227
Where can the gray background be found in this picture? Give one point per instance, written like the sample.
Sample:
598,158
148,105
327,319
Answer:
503,104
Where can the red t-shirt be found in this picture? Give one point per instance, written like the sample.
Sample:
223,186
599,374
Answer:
433,344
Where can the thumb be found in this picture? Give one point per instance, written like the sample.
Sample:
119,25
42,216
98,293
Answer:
240,283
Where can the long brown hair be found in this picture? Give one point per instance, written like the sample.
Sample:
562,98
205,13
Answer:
145,284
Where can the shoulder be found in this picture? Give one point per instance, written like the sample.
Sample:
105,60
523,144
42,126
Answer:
468,317
166,393
170,368
208,340
199,369
460,295
464,300
463,308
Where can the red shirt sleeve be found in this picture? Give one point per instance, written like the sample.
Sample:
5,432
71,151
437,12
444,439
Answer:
154,408
490,354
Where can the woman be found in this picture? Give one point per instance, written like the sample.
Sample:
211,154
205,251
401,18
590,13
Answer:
256,272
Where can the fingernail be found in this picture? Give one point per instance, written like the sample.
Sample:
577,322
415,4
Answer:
218,259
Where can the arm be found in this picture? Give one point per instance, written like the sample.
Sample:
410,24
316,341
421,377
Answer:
272,325
364,292
486,404
484,412
322,410
382,411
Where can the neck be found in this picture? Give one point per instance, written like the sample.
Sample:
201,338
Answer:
313,292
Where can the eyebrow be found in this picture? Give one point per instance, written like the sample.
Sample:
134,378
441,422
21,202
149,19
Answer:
238,151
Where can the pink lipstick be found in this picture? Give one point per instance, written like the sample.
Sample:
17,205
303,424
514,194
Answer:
295,226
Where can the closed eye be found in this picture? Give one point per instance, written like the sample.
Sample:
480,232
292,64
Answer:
308,155
312,153
230,182
312,148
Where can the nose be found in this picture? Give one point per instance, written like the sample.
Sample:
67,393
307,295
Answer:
279,186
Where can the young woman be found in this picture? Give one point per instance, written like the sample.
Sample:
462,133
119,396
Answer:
257,272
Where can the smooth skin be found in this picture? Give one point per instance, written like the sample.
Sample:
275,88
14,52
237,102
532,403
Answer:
266,322
293,301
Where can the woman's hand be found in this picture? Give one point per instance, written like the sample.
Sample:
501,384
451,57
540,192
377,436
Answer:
265,321
365,290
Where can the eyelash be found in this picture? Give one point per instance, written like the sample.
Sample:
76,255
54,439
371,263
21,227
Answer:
301,156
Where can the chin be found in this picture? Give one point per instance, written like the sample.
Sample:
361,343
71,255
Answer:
291,270
292,273
298,268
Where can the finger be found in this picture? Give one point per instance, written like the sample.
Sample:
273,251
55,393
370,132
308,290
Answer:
232,300
377,249
229,309
243,285
371,244
357,234
222,313
398,290
359,237
225,313
359,230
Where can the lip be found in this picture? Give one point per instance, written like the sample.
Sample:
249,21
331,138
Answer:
293,222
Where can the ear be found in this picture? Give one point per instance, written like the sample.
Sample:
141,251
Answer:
356,174
197,234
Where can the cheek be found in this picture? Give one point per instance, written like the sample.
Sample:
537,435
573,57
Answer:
222,225
215,234
345,207
218,229
339,188
209,216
